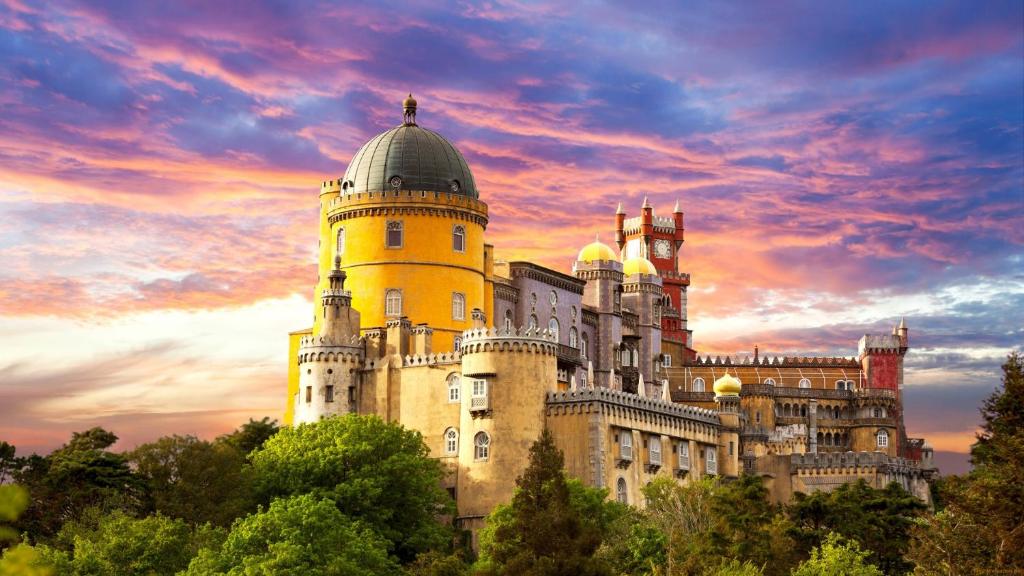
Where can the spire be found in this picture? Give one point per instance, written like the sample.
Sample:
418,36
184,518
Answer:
597,237
677,210
641,388
619,210
646,203
903,323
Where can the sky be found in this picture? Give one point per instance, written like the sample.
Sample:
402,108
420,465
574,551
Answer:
840,164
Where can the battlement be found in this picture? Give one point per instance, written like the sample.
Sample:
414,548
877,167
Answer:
329,186
345,204
660,223
344,355
321,342
879,344
443,358
632,401
785,361
508,340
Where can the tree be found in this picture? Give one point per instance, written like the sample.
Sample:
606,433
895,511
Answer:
80,475
116,544
251,435
951,543
195,480
1002,412
13,501
541,533
734,568
299,535
19,560
880,520
378,473
683,515
838,558
9,463
747,527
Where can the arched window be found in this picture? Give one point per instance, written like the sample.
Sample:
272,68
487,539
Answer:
340,246
583,379
877,413
698,384
620,491
458,306
481,446
454,388
459,239
849,384
508,320
553,327
451,442
805,383
769,382
636,358
625,357
584,344
457,343
883,439
394,234
574,338
533,321
840,385
393,302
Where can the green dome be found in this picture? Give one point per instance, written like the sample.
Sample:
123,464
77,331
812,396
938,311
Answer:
409,158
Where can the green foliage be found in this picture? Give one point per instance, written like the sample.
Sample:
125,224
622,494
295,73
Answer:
746,527
13,501
24,560
251,435
195,480
9,462
838,558
436,563
80,475
297,536
1002,413
880,520
734,568
541,533
118,545
376,472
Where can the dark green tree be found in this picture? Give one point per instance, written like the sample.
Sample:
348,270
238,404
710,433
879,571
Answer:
746,527
376,472
879,520
541,533
80,475
1002,413
298,535
195,480
251,435
9,462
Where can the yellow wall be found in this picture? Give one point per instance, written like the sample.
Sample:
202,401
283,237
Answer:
426,268
293,372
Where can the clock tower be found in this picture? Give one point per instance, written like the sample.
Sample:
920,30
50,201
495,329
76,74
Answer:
659,239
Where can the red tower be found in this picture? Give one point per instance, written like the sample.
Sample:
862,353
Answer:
659,239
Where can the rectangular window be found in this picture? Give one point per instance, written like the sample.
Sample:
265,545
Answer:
730,447
712,463
394,234
479,400
479,388
684,456
655,453
329,394
309,394
666,361
351,395
626,445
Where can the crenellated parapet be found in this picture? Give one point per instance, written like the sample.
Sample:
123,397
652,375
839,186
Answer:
442,359
509,340
840,462
630,401
394,202
775,361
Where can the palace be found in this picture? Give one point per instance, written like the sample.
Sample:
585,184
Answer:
416,322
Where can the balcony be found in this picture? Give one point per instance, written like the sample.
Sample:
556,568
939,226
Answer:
653,461
480,403
819,393
569,354
625,456
683,467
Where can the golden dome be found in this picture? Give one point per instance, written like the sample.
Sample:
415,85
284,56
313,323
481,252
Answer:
638,265
409,102
596,250
727,385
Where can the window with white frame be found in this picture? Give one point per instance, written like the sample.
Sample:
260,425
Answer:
684,455
625,357
712,460
654,447
626,444
481,446
479,388
769,382
620,491
636,358
666,360
883,439
393,302
395,234
458,306
583,345
457,343
459,238
451,442
574,337
533,321
339,248
508,320
454,390
840,385
583,379
804,383
698,384
553,327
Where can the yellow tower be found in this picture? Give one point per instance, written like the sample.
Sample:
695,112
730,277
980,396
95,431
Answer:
409,228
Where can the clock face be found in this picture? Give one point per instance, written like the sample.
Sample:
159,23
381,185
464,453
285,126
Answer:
662,248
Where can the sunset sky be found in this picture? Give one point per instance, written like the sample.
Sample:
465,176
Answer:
840,165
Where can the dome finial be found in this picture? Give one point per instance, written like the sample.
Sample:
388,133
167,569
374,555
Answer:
409,110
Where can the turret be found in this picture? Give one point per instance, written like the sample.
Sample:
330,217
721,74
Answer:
646,227
677,216
620,221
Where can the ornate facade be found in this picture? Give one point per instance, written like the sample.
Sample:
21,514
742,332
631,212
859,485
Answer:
416,322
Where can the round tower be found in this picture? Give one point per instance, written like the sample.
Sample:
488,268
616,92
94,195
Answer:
506,375
598,264
407,213
642,294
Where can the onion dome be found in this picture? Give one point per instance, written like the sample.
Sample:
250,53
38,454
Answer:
638,265
411,158
727,385
596,250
